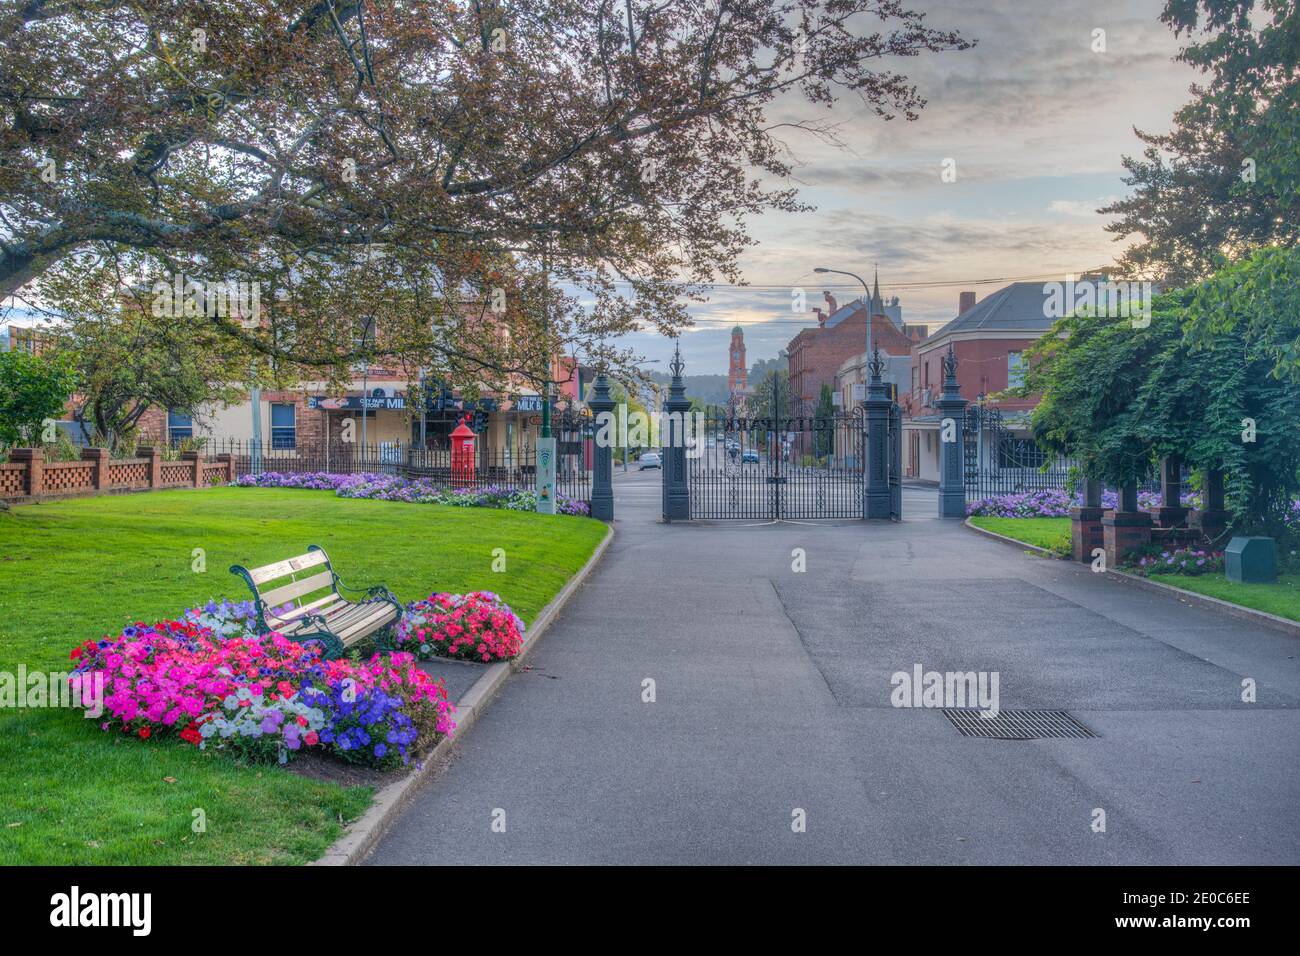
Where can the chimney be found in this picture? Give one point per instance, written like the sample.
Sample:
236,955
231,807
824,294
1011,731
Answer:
830,301
821,316
966,302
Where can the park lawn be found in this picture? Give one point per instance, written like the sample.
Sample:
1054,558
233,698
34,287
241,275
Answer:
1281,598
83,568
1050,533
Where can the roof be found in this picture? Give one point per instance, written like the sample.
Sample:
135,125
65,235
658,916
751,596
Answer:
1019,307
843,312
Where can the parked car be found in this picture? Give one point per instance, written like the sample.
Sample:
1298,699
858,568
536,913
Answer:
748,455
650,459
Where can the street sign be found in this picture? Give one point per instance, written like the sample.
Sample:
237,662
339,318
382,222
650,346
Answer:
355,403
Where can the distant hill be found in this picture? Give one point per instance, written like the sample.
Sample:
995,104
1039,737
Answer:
710,389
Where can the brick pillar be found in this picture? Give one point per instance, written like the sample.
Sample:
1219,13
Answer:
1211,519
34,459
1086,533
228,460
1171,513
196,459
100,456
1125,529
153,455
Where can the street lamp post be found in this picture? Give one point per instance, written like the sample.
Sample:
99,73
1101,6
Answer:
546,449
866,289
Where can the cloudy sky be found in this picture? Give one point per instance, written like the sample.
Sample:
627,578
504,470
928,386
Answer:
1037,124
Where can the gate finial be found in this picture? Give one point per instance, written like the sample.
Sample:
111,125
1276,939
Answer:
950,370
875,366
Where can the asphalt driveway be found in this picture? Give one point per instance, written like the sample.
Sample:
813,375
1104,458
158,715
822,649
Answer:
773,694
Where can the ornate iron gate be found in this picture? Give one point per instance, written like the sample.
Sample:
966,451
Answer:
777,466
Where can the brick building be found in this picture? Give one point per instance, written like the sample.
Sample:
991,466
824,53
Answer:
989,338
737,374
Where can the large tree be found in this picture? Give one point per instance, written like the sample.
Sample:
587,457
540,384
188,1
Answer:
33,390
1223,180
460,143
1118,395
130,360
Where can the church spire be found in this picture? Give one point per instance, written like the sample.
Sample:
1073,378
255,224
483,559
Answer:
877,304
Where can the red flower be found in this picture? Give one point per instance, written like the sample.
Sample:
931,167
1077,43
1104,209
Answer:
191,735
145,733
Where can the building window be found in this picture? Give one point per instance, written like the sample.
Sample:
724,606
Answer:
284,430
180,426
1015,369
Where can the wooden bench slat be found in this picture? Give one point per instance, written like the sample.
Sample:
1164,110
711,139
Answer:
345,621
323,607
282,569
367,623
307,585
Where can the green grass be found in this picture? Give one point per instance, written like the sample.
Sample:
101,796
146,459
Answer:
1281,598
1050,533
83,568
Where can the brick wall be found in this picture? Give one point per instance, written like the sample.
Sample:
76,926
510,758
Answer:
817,354
981,368
28,476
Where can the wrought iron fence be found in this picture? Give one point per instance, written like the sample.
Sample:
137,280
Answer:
998,461
498,468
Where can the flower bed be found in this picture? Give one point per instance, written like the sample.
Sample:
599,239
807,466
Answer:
476,626
1185,561
1056,503
411,490
209,682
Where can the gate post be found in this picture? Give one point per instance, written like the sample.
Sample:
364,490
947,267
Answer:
602,478
1086,534
952,410
677,495
875,495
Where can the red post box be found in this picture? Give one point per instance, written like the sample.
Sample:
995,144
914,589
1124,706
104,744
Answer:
462,452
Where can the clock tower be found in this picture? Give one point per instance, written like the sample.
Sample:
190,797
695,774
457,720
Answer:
737,377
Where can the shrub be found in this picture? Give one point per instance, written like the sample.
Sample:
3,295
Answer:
475,626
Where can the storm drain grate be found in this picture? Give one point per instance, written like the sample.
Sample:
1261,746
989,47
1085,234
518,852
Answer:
1017,724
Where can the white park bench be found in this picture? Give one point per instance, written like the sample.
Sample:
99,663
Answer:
307,607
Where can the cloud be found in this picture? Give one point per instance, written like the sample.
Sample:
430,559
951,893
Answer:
1083,208
1037,122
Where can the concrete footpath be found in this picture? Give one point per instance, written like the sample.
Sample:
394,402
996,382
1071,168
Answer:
772,694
